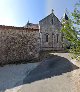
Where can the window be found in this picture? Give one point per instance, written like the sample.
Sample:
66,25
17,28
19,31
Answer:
62,36
57,37
46,37
52,21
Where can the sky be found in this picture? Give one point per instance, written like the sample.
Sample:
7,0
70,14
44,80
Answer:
18,12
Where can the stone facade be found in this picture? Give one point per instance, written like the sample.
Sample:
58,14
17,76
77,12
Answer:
18,43
51,37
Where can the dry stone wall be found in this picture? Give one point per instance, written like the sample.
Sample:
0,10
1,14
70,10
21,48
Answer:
18,44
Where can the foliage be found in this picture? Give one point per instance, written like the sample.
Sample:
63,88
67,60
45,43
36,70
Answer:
71,28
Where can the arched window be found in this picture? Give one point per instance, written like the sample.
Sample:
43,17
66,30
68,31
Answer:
62,37
46,37
52,21
57,37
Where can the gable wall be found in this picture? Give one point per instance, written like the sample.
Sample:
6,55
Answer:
46,27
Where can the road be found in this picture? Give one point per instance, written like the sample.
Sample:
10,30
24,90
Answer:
57,65
54,74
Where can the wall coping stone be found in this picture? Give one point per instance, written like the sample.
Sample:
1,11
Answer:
17,28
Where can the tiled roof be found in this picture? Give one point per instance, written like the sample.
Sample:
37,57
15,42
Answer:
31,25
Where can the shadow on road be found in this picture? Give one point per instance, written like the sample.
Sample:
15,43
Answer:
53,66
49,68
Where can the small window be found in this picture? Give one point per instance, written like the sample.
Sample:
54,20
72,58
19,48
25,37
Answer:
62,37
46,37
57,37
52,21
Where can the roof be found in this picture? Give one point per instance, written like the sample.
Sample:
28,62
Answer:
65,16
31,25
52,14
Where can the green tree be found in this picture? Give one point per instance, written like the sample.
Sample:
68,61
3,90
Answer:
71,29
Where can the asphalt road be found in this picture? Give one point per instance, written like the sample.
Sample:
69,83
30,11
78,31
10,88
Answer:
49,68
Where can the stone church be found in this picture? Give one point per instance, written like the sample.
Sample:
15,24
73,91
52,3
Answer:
24,43
51,38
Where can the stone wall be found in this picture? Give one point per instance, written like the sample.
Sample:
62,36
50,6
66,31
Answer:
18,44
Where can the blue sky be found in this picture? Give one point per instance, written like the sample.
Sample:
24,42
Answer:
18,12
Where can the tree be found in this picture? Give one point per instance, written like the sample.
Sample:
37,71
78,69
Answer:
71,29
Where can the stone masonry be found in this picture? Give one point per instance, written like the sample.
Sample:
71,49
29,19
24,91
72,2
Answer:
18,43
50,28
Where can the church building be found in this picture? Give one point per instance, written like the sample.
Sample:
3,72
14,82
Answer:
51,37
